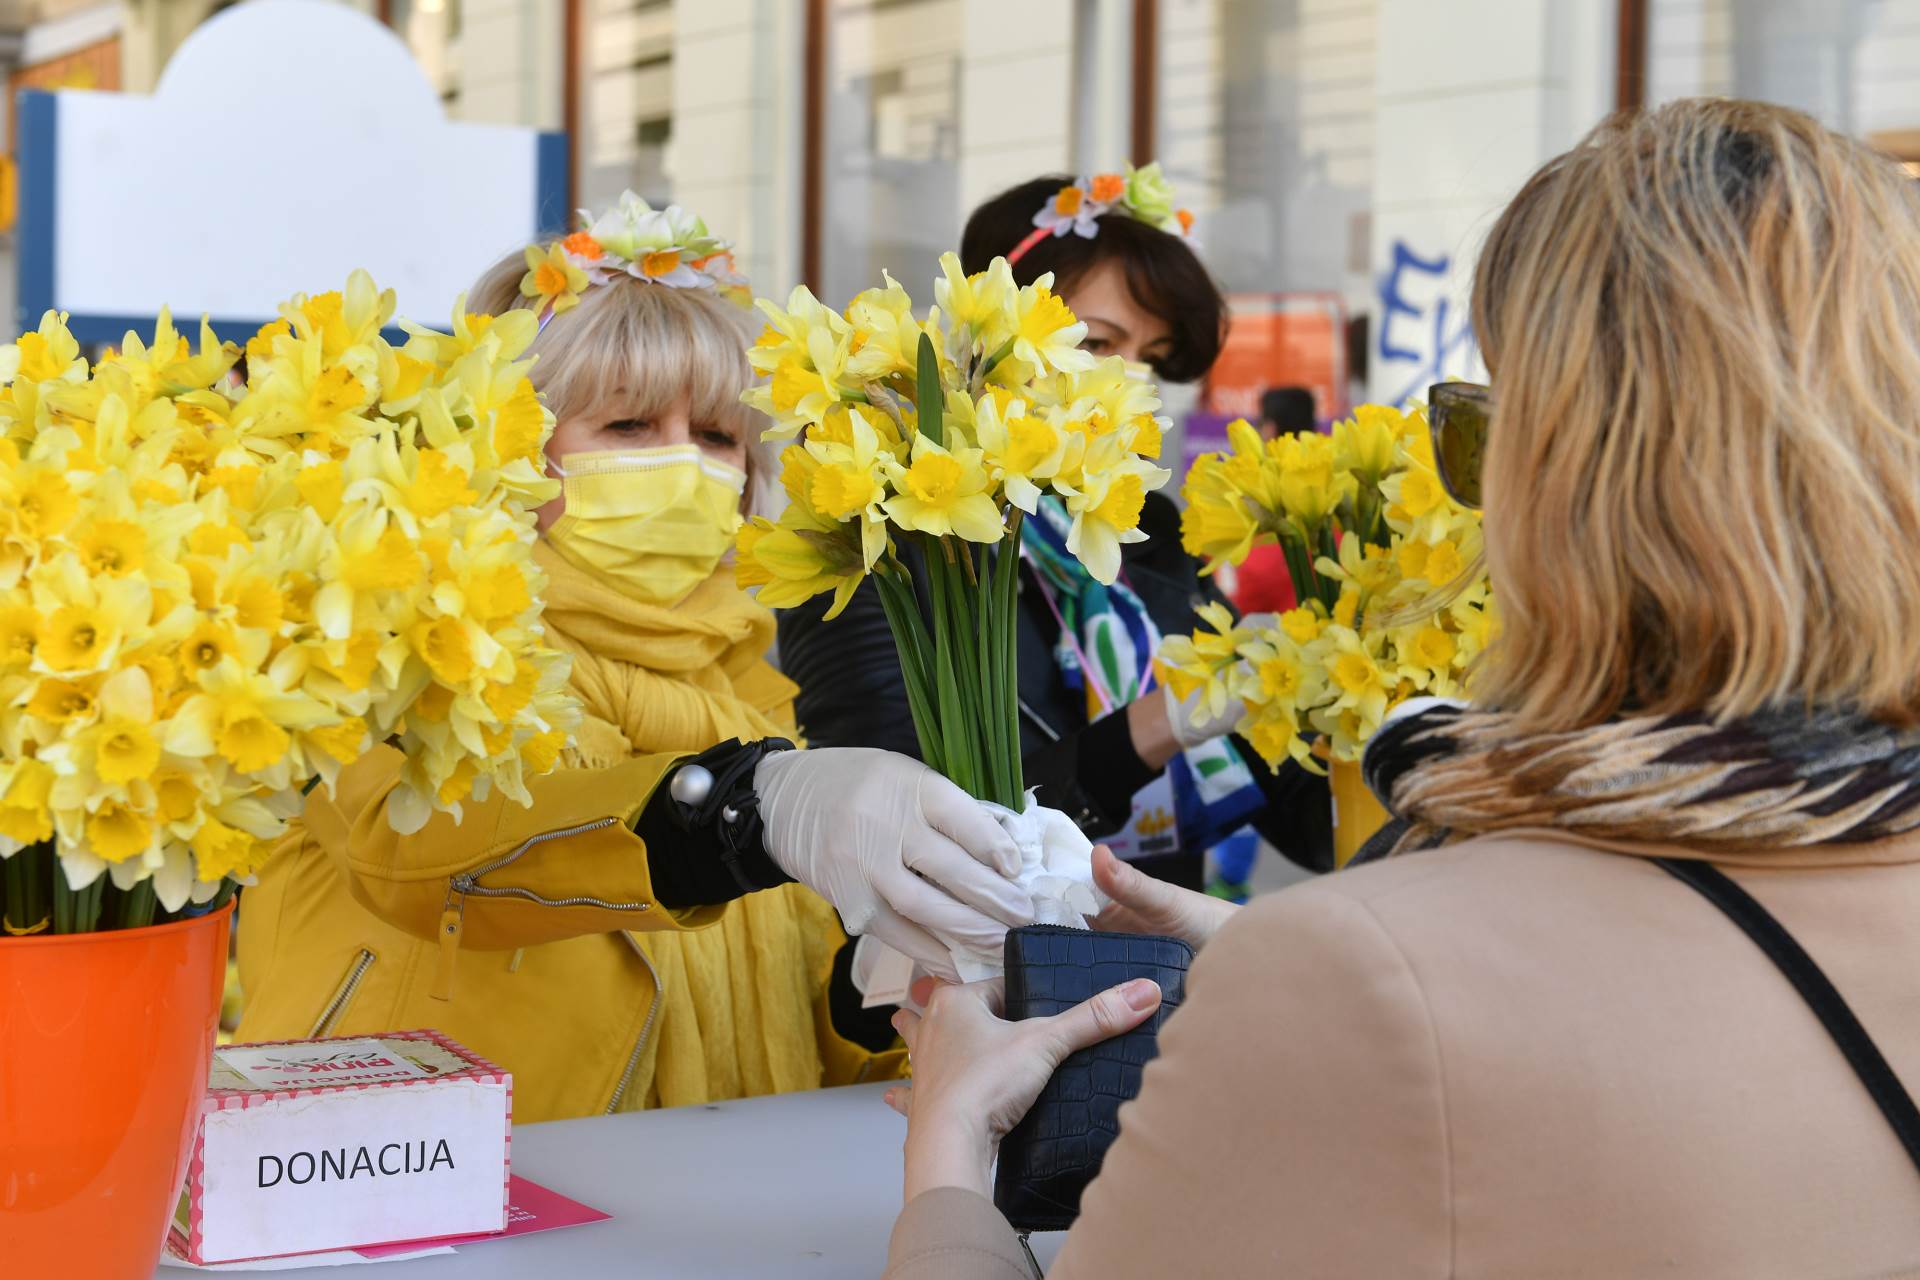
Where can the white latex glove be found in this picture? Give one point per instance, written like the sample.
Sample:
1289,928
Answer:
1193,722
1193,719
896,848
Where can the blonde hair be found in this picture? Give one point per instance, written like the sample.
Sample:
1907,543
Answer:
1703,470
642,345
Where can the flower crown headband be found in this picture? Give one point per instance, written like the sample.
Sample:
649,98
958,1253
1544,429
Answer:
669,246
1143,194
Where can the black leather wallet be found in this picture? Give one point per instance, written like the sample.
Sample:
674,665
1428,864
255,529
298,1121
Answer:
1055,1151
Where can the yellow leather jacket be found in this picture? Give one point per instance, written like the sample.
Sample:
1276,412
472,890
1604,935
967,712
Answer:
532,936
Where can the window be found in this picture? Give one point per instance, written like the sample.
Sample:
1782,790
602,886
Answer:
1852,64
1265,125
891,160
626,110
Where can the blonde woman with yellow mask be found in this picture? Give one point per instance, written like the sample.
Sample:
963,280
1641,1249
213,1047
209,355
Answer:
636,937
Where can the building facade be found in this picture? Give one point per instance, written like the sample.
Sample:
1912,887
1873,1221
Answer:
1350,151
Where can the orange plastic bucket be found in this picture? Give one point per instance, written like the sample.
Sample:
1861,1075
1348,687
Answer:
1356,813
105,1039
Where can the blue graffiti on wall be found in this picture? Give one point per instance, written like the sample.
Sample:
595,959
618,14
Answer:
1429,334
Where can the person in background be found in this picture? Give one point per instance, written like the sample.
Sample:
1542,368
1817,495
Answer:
1635,994
1287,411
635,937
1098,733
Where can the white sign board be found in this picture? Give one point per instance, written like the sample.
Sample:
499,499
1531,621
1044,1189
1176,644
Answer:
336,1144
347,1169
288,142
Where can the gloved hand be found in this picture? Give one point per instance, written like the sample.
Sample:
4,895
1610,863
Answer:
901,853
1211,723
1194,719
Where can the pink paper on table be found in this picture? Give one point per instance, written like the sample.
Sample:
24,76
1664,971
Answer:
530,1208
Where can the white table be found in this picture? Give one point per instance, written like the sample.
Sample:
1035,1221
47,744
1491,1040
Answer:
806,1184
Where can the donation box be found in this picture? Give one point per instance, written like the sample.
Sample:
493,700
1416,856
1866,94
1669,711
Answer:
332,1144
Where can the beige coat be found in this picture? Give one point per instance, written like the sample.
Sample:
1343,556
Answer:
1515,1057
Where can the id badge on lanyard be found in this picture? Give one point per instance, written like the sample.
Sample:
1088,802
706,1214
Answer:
1152,828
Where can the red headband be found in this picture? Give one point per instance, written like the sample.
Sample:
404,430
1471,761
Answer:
1034,237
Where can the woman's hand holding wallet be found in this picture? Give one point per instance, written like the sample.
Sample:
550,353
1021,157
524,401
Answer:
1142,904
975,1075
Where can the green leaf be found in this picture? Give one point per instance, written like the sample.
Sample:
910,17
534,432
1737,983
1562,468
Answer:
931,399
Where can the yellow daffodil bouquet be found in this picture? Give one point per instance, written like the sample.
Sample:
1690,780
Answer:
1385,565
916,448
215,593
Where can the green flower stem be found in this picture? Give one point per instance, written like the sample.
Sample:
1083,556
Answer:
137,906
993,362
963,551
1006,636
964,638
26,907
223,895
63,904
87,917
952,707
989,657
43,871
910,639
1330,548
1306,584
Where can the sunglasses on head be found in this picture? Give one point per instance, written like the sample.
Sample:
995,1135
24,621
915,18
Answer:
1457,415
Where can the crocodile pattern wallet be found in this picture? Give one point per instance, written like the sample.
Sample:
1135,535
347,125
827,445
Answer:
1055,1151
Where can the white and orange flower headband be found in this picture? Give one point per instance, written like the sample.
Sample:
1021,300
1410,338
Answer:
669,246
1143,194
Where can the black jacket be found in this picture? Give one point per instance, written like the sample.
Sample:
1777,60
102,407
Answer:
852,694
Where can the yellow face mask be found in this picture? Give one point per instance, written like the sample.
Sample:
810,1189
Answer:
652,523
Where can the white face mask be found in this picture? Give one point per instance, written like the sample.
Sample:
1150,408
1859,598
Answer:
652,523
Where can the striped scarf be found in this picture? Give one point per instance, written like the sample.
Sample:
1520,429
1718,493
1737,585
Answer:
1109,625
1781,779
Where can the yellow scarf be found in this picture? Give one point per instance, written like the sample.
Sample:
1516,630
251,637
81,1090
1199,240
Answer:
679,679
737,1008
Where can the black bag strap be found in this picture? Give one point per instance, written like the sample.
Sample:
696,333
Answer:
1862,1054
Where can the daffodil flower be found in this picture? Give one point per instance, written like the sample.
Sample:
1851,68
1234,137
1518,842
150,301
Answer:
1046,333
944,492
980,305
552,279
850,482
886,336
1023,451
791,562
1112,489
206,602
1356,674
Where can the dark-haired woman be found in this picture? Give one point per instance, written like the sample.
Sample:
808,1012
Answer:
1100,737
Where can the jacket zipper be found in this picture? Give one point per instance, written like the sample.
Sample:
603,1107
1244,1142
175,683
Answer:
453,917
646,1028
338,1005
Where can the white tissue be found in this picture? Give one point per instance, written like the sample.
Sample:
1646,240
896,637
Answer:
1056,869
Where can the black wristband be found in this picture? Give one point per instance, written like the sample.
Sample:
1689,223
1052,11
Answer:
703,828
